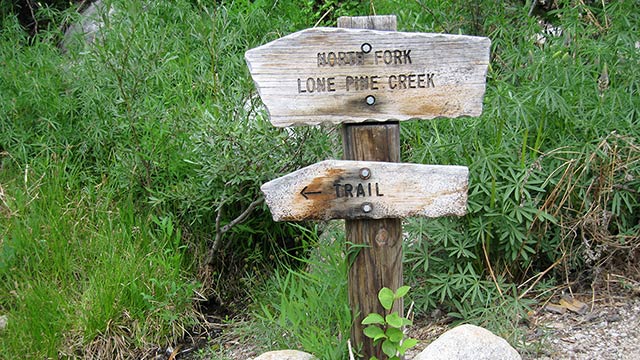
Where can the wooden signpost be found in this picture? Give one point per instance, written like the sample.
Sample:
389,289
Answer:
336,189
337,75
364,71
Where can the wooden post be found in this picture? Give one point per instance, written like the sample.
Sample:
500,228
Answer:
362,72
378,243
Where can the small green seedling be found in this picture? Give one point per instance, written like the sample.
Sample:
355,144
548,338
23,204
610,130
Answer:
388,329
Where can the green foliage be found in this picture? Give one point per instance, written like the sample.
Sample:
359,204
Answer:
388,330
162,123
36,16
552,159
308,308
121,163
76,269
162,109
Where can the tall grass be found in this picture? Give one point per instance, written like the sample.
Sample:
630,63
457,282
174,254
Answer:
78,269
307,308
122,162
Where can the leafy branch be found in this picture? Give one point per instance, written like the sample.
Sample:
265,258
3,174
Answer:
389,329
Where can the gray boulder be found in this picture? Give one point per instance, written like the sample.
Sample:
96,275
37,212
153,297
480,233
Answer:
89,25
469,342
285,355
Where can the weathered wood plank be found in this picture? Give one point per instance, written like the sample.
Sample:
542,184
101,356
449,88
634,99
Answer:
337,75
337,189
378,22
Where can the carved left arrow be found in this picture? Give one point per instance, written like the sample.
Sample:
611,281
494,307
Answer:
304,192
339,189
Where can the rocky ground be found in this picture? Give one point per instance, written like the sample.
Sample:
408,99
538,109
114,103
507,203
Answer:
610,329
607,328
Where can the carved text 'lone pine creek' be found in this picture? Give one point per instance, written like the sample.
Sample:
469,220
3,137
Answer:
312,76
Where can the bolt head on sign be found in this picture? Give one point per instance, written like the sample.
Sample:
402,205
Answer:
341,189
336,75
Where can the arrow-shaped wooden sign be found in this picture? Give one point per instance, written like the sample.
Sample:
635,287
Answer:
338,189
339,75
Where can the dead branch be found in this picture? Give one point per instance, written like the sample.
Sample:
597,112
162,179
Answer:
220,231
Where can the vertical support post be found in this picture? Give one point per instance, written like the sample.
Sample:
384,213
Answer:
378,243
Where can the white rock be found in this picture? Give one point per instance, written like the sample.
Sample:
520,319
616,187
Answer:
285,355
91,21
469,342
3,322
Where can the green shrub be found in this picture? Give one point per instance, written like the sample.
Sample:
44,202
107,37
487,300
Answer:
551,160
159,126
162,109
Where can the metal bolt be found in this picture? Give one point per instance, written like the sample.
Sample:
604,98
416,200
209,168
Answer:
370,100
366,48
367,207
365,173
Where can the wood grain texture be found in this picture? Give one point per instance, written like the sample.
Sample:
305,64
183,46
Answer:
335,189
377,243
323,75
380,22
378,264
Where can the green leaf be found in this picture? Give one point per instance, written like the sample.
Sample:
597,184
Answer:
407,344
394,334
386,298
401,292
394,320
373,319
545,216
389,348
374,332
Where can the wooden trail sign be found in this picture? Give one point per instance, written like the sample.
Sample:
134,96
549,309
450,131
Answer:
338,75
362,71
335,189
